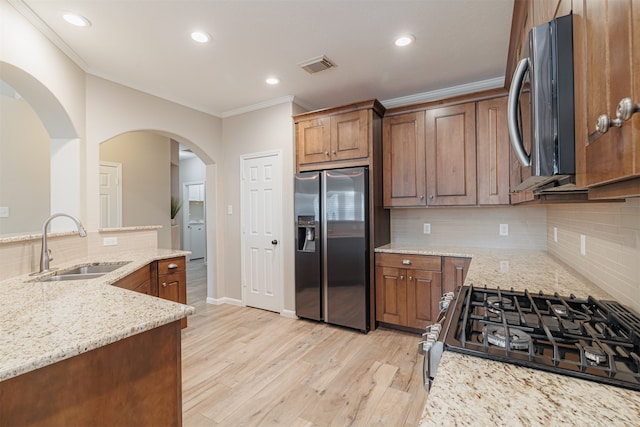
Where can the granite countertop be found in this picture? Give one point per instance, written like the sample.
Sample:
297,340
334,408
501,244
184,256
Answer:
469,390
44,322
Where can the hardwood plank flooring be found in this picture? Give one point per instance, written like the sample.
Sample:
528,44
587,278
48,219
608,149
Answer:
248,367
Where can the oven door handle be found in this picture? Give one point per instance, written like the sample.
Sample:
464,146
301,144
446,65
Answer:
432,356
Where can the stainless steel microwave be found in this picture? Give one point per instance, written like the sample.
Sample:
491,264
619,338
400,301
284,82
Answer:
546,74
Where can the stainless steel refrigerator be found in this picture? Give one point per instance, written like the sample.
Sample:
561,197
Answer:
332,246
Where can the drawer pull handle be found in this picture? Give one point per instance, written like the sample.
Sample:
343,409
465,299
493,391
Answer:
172,266
406,262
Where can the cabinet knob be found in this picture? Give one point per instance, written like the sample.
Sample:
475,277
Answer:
431,196
334,153
401,277
164,284
410,278
604,123
326,153
626,109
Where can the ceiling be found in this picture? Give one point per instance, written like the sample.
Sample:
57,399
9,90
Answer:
460,46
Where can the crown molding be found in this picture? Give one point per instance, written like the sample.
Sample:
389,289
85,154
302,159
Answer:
445,93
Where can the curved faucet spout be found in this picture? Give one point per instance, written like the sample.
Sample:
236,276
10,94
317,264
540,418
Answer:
45,254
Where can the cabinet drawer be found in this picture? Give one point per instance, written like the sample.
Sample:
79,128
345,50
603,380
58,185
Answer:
421,262
171,265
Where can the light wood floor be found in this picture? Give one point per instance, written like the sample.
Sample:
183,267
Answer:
248,367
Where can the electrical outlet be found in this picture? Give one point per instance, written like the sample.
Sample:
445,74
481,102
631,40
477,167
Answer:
4,212
555,234
583,244
229,209
426,228
504,229
504,266
109,241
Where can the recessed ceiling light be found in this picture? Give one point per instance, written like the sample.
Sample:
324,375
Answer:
272,81
200,36
404,40
77,20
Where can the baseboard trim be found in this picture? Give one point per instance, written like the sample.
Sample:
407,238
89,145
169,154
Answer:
224,300
288,313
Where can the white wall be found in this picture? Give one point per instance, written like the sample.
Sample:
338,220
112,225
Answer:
24,167
612,237
146,179
258,131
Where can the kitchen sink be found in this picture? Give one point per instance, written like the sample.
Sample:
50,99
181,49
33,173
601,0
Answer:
83,272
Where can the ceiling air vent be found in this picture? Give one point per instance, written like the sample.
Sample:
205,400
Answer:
314,65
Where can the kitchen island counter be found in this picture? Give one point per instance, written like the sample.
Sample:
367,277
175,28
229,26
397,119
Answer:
42,323
468,390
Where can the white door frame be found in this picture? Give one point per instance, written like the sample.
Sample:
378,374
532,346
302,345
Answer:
118,167
243,218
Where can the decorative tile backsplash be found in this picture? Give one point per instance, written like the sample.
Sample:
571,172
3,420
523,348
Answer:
525,227
602,242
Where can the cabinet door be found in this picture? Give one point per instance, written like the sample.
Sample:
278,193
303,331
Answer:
493,147
451,155
403,146
391,295
424,290
314,141
605,49
350,135
173,287
454,271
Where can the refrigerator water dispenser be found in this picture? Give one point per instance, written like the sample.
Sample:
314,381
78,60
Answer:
306,234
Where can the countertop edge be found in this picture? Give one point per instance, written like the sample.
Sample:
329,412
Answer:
160,312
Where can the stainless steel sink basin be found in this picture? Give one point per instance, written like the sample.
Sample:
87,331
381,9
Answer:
93,269
83,272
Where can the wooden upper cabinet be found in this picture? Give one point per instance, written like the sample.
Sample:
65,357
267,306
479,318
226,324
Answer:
493,148
451,155
337,137
403,146
314,140
606,64
350,135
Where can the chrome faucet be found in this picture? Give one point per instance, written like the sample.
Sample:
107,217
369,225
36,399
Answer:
45,255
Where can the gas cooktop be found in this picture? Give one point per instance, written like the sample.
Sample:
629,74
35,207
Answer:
584,338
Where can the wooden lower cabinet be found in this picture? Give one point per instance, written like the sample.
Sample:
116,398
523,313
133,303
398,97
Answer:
408,289
454,271
139,281
172,281
134,381
165,279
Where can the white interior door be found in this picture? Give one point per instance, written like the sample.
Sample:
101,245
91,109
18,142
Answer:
110,195
262,229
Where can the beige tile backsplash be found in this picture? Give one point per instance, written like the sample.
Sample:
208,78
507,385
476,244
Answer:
611,230
472,227
22,257
612,244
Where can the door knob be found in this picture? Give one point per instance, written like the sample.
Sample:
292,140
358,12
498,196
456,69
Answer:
274,242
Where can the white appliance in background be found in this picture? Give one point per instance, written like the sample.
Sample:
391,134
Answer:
195,234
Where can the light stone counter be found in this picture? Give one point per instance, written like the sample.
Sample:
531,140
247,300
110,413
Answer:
44,322
473,391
